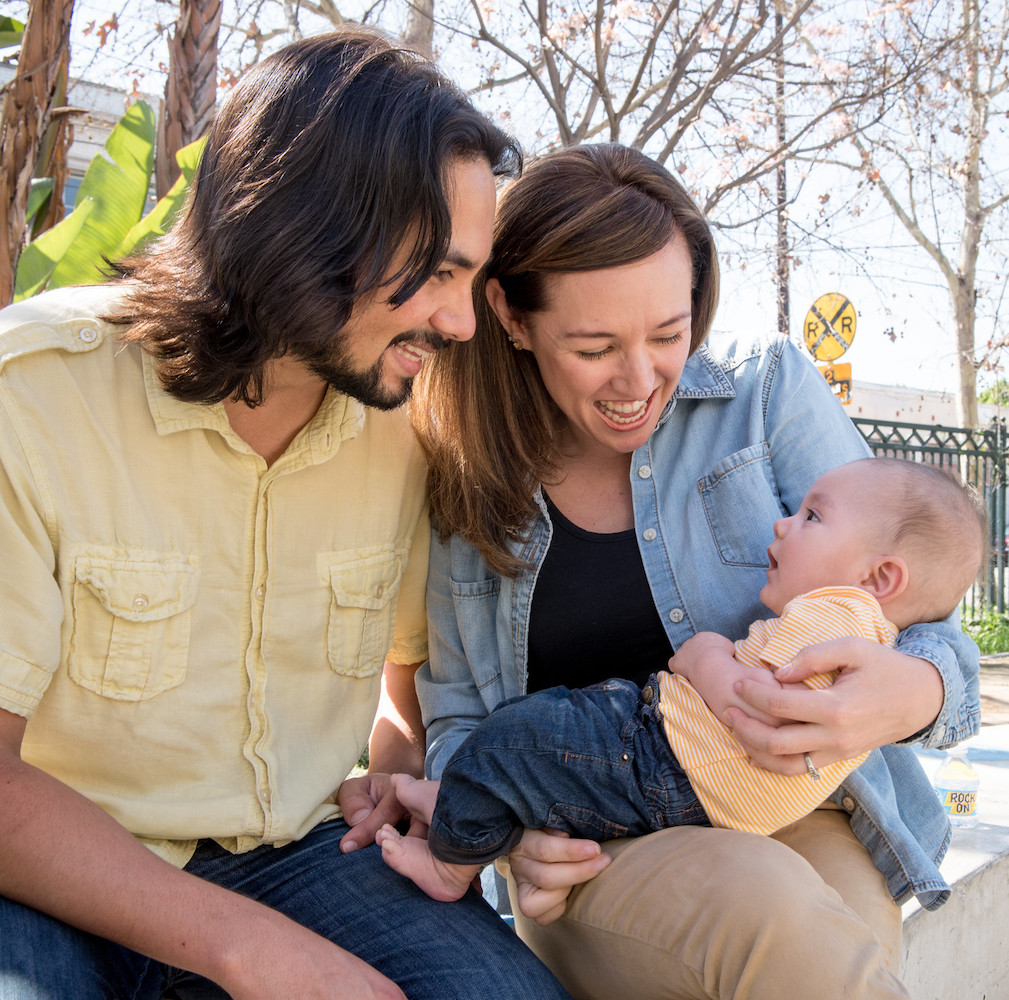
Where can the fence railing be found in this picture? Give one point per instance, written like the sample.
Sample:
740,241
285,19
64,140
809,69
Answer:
979,456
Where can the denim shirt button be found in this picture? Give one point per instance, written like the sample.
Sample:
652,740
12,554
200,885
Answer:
849,803
645,471
646,694
649,534
676,615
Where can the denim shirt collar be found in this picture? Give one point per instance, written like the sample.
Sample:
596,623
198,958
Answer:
702,378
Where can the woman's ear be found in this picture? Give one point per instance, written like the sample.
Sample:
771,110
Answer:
887,579
512,324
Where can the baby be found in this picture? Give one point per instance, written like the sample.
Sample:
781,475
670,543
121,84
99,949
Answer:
877,545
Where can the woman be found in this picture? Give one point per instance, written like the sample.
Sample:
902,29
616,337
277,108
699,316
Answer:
603,487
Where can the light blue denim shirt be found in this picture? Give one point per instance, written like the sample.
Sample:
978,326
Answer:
750,428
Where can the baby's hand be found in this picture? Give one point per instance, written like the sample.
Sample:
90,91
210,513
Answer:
701,654
707,660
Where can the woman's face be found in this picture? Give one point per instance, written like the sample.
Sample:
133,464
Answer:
611,345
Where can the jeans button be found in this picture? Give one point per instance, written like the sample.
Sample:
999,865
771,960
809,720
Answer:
646,694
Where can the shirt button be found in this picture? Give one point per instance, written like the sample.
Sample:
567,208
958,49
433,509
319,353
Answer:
645,471
380,590
676,615
849,803
646,694
649,534
260,592
88,334
140,602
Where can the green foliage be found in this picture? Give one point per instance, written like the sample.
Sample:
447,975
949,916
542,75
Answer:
39,191
108,220
158,220
997,394
38,260
11,32
990,631
117,183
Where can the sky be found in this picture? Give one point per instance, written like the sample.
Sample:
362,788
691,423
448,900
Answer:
904,332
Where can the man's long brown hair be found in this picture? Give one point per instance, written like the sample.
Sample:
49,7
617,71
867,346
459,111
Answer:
481,410
321,163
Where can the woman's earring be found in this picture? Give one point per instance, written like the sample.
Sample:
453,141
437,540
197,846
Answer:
515,344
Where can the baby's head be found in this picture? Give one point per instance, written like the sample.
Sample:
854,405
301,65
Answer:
912,535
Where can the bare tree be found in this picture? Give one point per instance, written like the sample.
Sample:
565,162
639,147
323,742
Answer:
419,31
191,88
932,157
32,101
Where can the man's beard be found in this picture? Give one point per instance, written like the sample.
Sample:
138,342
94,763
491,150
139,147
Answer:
367,385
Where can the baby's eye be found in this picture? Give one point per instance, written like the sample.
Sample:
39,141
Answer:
811,515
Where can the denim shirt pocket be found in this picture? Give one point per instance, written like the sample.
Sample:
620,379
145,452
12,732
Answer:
360,619
131,619
476,605
740,500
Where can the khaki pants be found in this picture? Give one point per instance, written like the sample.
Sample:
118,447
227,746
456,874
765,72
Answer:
695,912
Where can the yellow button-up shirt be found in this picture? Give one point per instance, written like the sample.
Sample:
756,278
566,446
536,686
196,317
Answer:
196,639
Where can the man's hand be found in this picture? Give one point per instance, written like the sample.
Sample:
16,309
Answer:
368,803
546,865
881,696
282,959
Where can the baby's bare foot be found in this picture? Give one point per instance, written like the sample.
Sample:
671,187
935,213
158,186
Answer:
410,856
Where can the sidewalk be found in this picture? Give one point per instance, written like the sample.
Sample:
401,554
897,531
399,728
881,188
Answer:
962,950
994,690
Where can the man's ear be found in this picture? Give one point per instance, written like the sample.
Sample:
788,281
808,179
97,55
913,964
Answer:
887,579
499,303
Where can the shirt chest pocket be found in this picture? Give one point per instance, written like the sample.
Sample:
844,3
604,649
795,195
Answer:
131,625
741,504
362,612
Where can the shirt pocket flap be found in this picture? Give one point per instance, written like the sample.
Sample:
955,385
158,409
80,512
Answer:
361,612
366,583
139,591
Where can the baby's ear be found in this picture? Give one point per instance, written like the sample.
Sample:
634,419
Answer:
887,579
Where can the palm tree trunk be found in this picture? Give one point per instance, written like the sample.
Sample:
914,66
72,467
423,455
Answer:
191,89
28,106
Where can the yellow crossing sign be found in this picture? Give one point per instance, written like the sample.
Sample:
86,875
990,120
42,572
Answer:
830,326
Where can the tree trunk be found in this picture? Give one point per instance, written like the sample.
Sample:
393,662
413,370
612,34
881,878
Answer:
191,88
27,111
781,177
419,31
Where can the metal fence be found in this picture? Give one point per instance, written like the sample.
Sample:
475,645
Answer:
980,459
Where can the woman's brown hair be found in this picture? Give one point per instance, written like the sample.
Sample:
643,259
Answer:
484,418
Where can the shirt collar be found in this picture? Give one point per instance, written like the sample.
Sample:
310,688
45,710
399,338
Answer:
702,378
338,418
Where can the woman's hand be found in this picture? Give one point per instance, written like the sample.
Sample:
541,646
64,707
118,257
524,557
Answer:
880,696
547,864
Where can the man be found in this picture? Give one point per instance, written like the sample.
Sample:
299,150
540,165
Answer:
210,545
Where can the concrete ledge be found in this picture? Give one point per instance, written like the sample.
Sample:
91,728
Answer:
961,950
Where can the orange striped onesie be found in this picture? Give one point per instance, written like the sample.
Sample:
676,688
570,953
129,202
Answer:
734,792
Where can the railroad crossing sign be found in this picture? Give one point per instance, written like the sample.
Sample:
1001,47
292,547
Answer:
830,326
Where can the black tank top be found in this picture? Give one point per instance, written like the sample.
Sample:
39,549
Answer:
592,613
